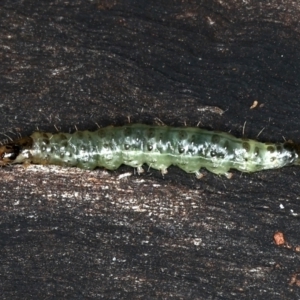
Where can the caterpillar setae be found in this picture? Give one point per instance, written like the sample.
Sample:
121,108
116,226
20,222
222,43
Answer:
158,146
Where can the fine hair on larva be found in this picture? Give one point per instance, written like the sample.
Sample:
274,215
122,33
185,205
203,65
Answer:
157,146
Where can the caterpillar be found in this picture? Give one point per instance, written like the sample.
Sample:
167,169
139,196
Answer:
157,146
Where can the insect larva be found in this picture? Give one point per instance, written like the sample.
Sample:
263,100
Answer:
158,146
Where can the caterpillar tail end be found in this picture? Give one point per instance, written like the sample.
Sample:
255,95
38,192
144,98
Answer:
10,152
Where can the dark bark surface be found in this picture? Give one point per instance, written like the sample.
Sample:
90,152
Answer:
73,234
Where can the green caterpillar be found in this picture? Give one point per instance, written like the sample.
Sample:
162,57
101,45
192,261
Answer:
157,146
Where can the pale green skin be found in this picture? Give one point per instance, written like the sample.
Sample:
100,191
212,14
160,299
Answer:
159,147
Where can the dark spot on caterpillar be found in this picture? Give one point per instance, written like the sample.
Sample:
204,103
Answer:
126,146
246,146
256,151
180,149
127,131
150,147
64,144
151,133
182,135
213,153
101,133
160,136
215,139
271,149
226,145
80,134
62,136
45,141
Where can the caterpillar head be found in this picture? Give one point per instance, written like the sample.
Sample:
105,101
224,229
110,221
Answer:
9,152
